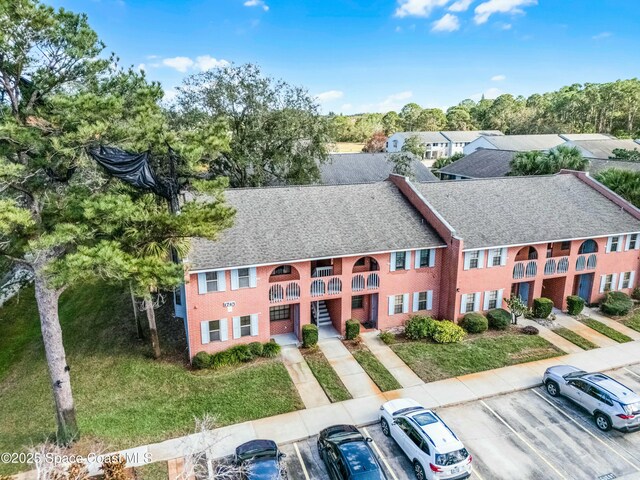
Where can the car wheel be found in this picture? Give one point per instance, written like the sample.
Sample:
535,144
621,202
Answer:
419,471
603,422
552,388
385,427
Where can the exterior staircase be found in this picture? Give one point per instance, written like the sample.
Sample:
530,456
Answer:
321,314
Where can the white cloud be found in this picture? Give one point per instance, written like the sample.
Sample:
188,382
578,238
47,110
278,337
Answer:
170,95
448,23
181,64
257,3
490,93
346,108
488,8
418,8
602,35
504,26
329,96
395,101
207,62
141,68
498,78
460,6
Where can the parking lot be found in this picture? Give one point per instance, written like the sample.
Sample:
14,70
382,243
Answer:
522,435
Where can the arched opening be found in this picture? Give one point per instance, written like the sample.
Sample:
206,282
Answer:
284,273
366,264
527,253
588,246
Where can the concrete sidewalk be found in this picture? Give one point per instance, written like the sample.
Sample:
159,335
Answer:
581,329
305,382
302,424
596,315
400,370
553,338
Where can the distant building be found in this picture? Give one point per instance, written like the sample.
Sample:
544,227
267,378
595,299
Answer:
439,144
345,168
603,149
526,143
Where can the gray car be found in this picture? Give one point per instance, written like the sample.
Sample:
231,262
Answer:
612,404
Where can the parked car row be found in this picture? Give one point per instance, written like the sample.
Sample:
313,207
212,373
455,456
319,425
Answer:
433,449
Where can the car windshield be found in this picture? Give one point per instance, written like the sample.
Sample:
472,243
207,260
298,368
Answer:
358,457
632,409
425,418
263,470
261,450
451,458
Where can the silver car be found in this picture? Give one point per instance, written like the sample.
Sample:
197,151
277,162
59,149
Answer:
612,404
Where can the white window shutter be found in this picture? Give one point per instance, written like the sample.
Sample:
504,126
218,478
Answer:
236,327
503,257
416,301
222,281
637,243
613,281
463,304
621,281
485,305
253,278
391,304
631,279
234,279
500,298
627,243
392,266
202,283
254,325
407,260
467,260
432,257
603,279
405,303
476,301
430,300
481,259
608,249
204,331
490,255
224,330
416,261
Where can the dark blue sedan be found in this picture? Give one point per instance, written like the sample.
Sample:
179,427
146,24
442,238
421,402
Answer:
261,460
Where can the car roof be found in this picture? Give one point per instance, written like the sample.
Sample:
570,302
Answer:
256,445
358,457
440,435
613,387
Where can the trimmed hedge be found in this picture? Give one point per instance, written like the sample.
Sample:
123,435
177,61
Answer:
352,329
309,335
636,293
201,360
387,337
575,304
419,327
498,319
256,349
445,331
542,307
616,303
236,354
270,349
474,323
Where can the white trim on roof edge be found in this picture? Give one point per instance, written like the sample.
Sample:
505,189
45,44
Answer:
548,241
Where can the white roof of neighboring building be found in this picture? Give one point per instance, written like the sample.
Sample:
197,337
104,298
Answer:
585,136
603,149
426,137
525,143
468,136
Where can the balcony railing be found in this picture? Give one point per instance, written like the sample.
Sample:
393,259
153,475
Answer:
281,292
322,272
586,262
321,287
553,266
525,269
373,281
358,282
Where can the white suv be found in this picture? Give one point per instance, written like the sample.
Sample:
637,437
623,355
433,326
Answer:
612,404
434,450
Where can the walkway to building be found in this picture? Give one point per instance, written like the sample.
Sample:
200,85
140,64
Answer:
596,315
400,370
581,329
348,369
305,382
553,338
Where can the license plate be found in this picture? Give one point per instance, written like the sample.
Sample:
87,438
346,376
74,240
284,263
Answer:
455,469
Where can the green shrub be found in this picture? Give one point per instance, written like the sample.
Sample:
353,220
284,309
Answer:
636,293
575,304
499,319
419,327
445,331
201,360
352,330
387,337
256,349
474,323
224,359
309,335
542,307
616,303
529,330
242,353
270,349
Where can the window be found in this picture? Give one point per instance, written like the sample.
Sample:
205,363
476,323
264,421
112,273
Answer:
282,312
493,299
626,280
212,281
395,144
471,302
360,262
357,301
214,330
615,243
474,259
633,241
245,326
497,257
422,301
608,282
424,258
565,245
401,257
281,270
243,278
178,296
398,301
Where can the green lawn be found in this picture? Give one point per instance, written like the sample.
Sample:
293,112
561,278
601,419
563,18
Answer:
606,330
432,361
376,370
574,338
631,322
123,397
326,375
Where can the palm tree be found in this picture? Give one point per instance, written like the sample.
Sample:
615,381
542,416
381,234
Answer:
625,183
569,158
529,163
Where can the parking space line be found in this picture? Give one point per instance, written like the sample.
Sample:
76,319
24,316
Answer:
384,460
631,372
587,430
304,467
523,440
475,472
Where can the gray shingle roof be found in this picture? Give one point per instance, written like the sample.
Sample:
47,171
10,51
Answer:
603,149
524,143
596,165
483,163
467,136
344,168
520,210
425,137
281,224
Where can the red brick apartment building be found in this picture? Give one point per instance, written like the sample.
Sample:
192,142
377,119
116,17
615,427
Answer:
381,252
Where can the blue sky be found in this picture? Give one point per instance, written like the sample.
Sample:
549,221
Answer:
378,55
